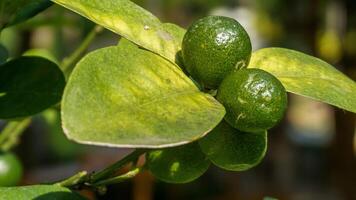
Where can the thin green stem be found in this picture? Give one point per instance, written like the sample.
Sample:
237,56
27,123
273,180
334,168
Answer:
102,178
118,179
109,171
10,134
69,62
73,180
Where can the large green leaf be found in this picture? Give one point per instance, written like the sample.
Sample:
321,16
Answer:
129,97
132,22
38,192
29,85
232,149
307,76
181,164
16,11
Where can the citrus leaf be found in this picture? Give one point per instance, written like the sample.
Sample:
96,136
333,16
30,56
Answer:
44,53
130,97
307,76
178,164
38,192
29,85
17,11
233,150
132,22
3,54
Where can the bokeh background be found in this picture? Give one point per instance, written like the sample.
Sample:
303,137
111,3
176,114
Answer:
311,154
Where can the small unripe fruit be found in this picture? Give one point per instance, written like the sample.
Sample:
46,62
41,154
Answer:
213,47
254,100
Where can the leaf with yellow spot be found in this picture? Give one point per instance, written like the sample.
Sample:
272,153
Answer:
132,22
125,96
307,76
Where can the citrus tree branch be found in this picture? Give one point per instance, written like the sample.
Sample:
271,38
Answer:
12,131
118,179
69,62
73,180
103,177
109,171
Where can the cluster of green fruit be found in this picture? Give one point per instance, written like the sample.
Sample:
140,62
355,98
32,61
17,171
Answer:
216,51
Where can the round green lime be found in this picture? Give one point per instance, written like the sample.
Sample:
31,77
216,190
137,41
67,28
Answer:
234,150
254,100
213,47
10,169
178,164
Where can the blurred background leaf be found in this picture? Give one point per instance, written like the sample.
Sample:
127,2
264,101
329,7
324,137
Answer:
16,11
28,85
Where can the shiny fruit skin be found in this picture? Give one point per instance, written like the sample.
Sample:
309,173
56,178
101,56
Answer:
213,47
254,100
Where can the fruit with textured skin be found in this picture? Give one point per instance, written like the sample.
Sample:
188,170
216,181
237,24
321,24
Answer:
254,99
234,150
10,169
180,164
213,47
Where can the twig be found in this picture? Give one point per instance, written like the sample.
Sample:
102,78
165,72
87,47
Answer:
73,180
10,134
114,167
119,179
69,62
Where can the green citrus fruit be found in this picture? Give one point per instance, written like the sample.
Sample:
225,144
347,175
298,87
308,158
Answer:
178,164
254,99
213,47
10,169
234,150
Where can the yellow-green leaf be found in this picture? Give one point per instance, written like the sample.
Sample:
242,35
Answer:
132,22
307,76
125,96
